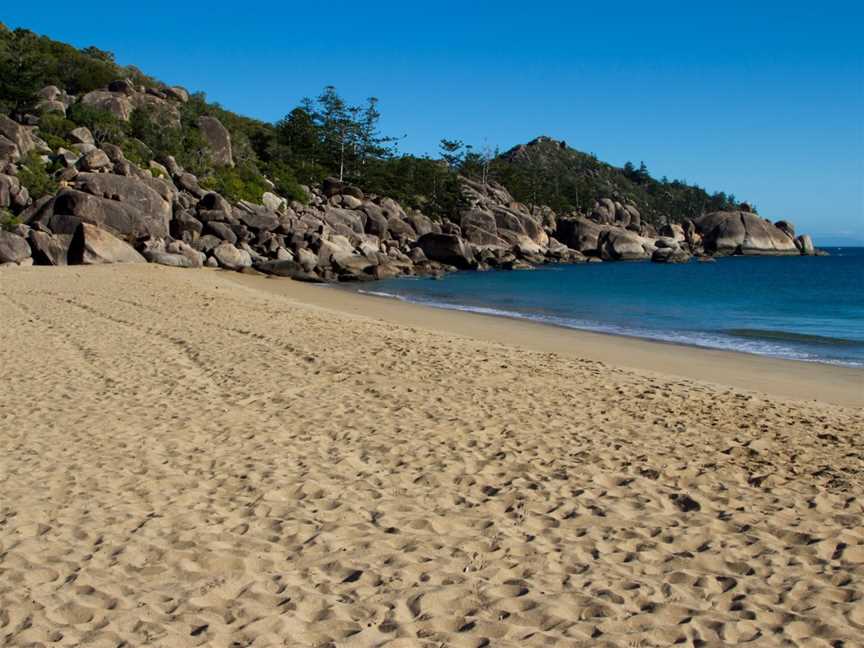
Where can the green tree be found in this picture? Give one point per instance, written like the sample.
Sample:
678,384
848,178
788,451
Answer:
453,153
22,70
96,53
34,175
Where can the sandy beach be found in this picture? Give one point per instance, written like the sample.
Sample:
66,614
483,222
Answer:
202,458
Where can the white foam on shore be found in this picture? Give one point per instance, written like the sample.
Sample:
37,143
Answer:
705,340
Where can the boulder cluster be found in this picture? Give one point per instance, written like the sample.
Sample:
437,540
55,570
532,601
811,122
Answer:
110,210
615,232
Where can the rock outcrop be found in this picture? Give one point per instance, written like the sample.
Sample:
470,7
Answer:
743,232
110,210
92,245
126,206
218,139
14,249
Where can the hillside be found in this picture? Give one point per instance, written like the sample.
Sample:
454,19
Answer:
96,158
549,172
305,146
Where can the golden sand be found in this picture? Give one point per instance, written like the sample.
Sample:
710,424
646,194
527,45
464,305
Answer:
199,458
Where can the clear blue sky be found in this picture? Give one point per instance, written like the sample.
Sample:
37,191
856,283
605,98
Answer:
761,99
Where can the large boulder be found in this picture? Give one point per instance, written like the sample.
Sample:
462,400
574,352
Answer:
288,268
742,232
478,222
618,244
95,160
185,226
188,182
212,201
17,134
115,103
520,224
400,229
206,243
8,151
805,245
674,231
274,202
634,218
256,217
449,249
786,227
419,222
218,140
332,187
122,86
169,259
350,202
12,192
580,234
126,206
178,93
92,245
13,248
157,108
670,255
604,211
81,135
222,230
232,258
49,249
376,221
338,218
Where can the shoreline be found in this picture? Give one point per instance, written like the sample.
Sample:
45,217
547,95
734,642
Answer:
518,317
775,377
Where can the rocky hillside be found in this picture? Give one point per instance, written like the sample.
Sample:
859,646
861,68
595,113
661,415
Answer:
134,170
550,172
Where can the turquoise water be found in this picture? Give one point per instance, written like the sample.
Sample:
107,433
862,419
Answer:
802,308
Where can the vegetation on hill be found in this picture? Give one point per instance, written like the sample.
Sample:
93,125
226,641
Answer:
549,172
321,137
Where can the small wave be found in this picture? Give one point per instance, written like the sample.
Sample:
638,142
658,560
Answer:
788,336
727,342
378,293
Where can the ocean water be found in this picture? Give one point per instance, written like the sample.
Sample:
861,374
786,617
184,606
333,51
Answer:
801,308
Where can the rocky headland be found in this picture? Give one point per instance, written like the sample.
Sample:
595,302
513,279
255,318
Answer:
232,194
110,210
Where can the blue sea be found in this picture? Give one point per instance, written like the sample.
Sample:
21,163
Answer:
801,308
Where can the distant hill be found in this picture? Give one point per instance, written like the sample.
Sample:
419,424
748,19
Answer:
549,172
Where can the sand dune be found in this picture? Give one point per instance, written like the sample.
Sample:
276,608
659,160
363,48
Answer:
186,460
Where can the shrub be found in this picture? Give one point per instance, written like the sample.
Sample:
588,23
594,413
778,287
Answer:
136,151
8,222
34,175
54,128
104,126
285,183
237,183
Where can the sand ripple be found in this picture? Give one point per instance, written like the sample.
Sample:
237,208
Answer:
185,461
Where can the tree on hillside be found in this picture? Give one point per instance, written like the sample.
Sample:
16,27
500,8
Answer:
336,124
347,136
21,71
102,55
478,163
452,152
